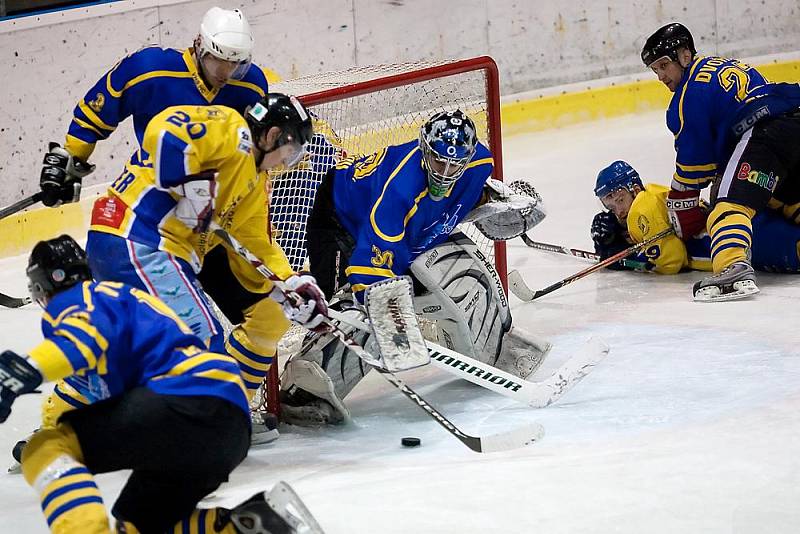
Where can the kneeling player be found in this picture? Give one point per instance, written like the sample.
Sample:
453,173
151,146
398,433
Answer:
393,213
637,211
160,404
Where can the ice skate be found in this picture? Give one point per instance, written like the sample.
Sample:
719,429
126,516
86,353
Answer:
736,281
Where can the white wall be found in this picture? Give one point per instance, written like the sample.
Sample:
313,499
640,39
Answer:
48,62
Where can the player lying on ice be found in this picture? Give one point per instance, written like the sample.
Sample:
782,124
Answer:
216,70
162,406
638,211
395,212
735,130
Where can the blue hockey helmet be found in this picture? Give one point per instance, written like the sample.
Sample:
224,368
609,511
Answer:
618,175
448,143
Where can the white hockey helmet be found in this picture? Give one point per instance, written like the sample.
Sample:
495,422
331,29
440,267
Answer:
225,34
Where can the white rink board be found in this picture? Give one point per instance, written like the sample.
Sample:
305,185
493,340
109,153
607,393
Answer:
691,424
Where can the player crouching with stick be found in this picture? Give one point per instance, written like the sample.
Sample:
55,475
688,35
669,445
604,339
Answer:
165,407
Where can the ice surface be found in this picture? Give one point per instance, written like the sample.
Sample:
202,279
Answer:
692,423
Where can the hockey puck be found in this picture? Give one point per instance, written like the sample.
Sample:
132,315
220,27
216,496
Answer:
410,442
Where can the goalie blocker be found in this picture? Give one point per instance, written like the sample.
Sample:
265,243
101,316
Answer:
462,306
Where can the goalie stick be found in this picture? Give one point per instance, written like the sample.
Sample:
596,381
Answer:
13,302
535,394
526,294
503,441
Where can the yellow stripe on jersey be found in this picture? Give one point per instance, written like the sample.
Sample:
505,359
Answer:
51,361
88,126
87,353
399,237
484,161
196,361
92,116
683,93
369,271
697,168
247,85
358,287
224,376
142,77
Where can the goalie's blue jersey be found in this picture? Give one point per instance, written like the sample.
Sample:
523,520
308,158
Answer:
382,201
145,83
107,338
717,101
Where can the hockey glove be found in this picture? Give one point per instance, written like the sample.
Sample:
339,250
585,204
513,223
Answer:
685,213
17,377
197,200
306,305
608,236
61,177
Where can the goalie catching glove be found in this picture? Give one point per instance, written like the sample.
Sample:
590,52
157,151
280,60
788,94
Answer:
305,304
17,377
61,177
509,211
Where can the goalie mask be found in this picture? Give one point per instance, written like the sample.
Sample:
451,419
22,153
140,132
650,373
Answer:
55,265
447,142
224,46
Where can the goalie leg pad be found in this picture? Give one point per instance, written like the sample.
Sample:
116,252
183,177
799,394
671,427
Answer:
324,370
466,303
464,298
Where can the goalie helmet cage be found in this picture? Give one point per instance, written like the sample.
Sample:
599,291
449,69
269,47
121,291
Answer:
359,111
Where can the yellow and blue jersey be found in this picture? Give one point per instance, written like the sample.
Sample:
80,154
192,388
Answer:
716,101
142,85
382,201
776,241
106,338
668,255
180,143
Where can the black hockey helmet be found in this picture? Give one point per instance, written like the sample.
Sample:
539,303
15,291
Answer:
666,41
55,265
285,112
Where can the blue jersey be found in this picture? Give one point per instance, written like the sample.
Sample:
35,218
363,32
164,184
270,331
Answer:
382,201
145,83
716,101
107,338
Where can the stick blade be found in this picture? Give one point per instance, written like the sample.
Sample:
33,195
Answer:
519,287
514,439
13,302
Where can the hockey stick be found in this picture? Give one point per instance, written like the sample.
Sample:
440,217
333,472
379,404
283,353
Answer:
13,302
20,205
578,253
513,439
535,394
525,293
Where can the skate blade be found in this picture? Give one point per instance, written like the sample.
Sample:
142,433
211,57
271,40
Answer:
286,503
741,290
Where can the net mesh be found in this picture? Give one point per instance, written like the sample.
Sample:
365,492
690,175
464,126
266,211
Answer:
357,112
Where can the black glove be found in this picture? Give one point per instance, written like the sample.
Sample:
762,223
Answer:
17,377
62,176
609,237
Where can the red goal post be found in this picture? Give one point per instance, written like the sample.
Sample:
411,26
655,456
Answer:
360,110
